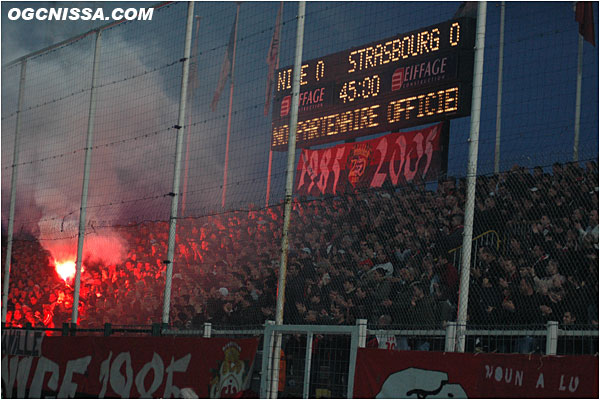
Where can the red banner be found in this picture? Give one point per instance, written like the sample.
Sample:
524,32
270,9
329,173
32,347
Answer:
417,374
396,158
131,368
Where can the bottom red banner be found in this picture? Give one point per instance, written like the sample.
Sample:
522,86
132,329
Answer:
141,367
416,374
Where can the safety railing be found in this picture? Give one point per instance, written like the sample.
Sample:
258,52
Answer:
549,339
321,359
271,365
107,330
489,238
208,331
552,333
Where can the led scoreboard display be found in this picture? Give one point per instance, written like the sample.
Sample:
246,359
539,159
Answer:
410,79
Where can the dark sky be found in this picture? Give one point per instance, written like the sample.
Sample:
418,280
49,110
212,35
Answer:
23,37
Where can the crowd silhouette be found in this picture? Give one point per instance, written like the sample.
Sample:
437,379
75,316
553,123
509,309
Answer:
377,254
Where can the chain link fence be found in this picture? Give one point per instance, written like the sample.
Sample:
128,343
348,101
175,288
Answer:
388,254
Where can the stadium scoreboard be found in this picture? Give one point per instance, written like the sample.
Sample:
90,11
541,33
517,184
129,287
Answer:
411,79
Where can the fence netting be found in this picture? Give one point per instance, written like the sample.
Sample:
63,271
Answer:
328,362
387,252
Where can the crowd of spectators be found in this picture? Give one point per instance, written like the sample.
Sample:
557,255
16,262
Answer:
371,254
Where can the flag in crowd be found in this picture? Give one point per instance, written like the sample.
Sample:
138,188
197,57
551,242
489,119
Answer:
584,14
193,74
273,59
226,67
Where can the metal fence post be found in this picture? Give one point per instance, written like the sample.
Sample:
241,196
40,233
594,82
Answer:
177,167
291,166
551,338
578,99
450,337
86,178
499,96
266,356
13,196
207,330
465,267
307,365
274,375
289,185
362,332
354,345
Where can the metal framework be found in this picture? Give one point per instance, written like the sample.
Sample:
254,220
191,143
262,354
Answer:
266,389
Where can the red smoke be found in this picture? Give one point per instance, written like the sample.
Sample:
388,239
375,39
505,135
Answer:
106,248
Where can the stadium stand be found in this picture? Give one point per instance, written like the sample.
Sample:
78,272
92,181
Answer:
351,257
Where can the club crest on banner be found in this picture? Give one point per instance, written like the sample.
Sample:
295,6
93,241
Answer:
230,378
358,161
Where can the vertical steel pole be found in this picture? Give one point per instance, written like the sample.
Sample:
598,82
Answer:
471,175
450,341
207,332
499,99
177,167
551,338
230,107
13,195
362,337
578,99
269,178
288,188
307,366
277,28
86,179
194,79
266,360
354,344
